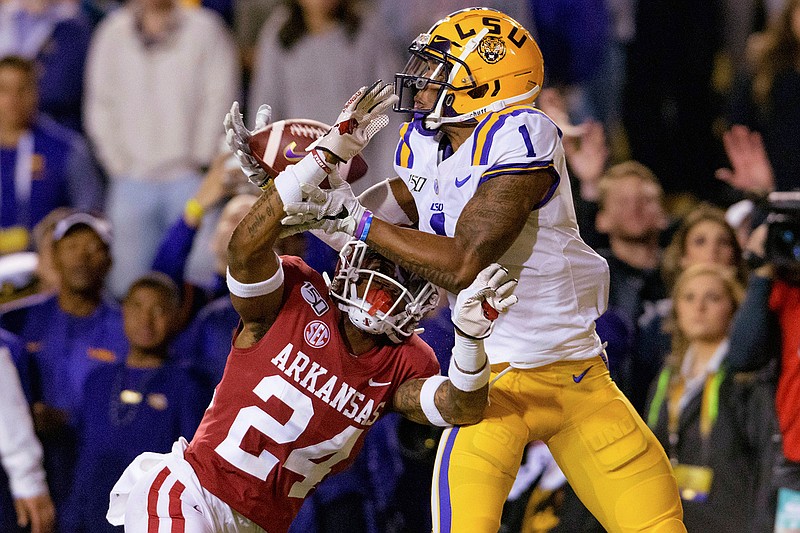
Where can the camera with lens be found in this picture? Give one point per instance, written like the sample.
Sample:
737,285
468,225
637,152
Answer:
782,247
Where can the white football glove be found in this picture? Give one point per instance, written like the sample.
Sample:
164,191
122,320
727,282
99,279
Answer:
479,305
237,136
332,210
361,118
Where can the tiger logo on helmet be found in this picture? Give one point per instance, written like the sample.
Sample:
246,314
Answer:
480,59
492,49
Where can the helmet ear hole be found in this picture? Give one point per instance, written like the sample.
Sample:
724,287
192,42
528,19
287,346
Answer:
449,99
478,92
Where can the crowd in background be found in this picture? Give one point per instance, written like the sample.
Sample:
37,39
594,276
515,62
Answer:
117,197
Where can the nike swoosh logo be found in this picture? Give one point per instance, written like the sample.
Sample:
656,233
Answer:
459,182
290,154
373,383
579,377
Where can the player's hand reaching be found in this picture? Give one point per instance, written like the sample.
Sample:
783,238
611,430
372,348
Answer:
37,512
237,136
332,210
362,117
478,306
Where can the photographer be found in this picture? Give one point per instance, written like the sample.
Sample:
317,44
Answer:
767,329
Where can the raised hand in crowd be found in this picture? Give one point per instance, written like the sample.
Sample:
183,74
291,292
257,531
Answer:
751,171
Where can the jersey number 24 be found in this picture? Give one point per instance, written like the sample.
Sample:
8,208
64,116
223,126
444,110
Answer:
300,460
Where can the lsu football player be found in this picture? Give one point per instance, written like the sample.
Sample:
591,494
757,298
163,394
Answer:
482,175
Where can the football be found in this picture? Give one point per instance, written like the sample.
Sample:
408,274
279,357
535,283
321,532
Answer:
283,143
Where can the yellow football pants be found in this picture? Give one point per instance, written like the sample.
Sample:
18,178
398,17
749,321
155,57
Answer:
610,457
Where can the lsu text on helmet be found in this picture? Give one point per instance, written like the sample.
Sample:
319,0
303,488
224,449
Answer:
481,60
379,296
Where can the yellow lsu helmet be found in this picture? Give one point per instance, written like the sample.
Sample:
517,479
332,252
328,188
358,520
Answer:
482,60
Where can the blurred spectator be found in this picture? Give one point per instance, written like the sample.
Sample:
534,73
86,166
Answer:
766,329
42,165
144,405
307,56
46,272
769,101
20,452
631,212
160,77
55,36
702,238
711,421
66,336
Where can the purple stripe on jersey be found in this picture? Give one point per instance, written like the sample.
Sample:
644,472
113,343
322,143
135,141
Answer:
512,168
445,509
419,125
487,145
550,192
502,170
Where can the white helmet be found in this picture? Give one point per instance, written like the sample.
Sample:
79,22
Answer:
379,296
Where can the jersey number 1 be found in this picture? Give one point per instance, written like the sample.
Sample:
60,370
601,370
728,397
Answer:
301,460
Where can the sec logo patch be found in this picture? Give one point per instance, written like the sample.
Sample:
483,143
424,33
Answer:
317,334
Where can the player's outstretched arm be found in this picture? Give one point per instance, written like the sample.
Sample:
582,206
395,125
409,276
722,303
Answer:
487,226
462,397
255,274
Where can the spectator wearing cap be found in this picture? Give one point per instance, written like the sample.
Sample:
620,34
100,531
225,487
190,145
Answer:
66,336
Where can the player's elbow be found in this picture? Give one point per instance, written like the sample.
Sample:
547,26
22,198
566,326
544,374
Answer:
470,265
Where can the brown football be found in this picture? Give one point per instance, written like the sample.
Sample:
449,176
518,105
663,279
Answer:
283,143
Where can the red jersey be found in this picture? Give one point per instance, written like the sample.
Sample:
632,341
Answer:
294,407
785,301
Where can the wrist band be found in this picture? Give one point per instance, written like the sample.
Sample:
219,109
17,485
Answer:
320,160
289,181
427,401
469,367
193,210
468,382
363,226
261,288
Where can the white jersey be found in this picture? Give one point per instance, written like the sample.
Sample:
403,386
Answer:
563,283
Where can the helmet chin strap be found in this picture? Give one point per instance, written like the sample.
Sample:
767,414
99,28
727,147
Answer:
494,106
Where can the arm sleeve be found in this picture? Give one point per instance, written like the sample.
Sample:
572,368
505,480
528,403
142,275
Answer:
755,333
20,451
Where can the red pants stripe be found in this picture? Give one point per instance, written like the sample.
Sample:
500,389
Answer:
174,504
